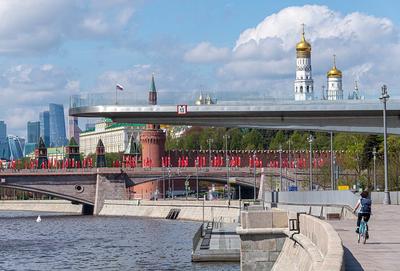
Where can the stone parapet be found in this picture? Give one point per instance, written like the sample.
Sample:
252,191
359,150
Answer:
267,243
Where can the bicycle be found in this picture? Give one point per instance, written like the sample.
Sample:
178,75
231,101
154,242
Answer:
363,231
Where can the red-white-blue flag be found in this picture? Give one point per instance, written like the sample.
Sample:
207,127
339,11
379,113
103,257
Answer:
119,87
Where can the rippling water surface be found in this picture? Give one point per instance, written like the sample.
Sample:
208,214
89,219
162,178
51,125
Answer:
97,243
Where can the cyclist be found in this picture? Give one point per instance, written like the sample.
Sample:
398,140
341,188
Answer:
365,210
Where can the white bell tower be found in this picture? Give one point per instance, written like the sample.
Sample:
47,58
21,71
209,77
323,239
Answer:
304,84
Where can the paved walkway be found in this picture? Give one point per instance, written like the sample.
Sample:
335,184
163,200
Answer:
382,251
224,245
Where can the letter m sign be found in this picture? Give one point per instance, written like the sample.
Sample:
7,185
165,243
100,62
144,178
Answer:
181,109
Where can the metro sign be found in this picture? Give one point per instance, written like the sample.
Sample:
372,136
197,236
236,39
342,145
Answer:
181,109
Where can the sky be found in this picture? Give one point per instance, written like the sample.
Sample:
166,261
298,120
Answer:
52,49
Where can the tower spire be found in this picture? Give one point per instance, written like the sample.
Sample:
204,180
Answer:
302,33
334,60
153,85
152,92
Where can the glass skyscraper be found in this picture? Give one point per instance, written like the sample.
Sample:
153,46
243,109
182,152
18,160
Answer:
44,118
3,131
33,132
57,125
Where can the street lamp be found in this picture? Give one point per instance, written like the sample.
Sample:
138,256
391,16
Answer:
197,178
209,141
163,180
226,137
310,140
255,180
374,154
169,181
384,97
295,174
280,168
332,178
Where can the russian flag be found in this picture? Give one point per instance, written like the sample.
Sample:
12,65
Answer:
119,87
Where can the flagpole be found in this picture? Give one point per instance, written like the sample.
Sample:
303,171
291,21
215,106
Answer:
116,90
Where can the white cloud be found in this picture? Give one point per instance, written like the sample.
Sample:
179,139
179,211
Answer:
25,90
263,58
35,26
206,53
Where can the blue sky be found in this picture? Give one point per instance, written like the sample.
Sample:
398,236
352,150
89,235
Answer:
233,49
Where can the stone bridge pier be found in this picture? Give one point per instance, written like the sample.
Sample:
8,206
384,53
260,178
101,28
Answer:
87,188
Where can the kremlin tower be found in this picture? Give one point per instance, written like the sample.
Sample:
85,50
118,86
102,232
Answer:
152,138
334,82
303,85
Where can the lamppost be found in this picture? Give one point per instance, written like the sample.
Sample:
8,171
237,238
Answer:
255,180
374,155
169,181
310,140
289,155
280,168
384,97
295,174
226,137
332,178
197,178
163,180
209,141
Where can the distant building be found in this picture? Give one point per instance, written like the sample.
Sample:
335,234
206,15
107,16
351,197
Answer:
115,136
73,128
3,131
44,118
205,99
57,125
355,95
12,150
33,132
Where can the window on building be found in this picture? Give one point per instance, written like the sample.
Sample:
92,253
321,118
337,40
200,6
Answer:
301,89
308,89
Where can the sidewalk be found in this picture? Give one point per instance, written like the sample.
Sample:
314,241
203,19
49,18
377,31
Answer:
382,251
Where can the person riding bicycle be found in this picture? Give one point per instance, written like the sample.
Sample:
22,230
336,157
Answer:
365,210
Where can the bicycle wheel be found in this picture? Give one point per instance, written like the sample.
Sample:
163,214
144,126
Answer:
361,231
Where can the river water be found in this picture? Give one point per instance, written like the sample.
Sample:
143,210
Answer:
62,242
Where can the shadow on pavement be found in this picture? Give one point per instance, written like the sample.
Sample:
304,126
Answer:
350,261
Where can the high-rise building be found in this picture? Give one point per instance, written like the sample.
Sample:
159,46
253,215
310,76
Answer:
334,82
3,131
73,128
44,118
304,84
57,125
33,131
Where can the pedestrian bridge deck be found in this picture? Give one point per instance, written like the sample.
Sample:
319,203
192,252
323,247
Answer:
382,250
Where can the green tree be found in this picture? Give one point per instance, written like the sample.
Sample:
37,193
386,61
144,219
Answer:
278,141
252,140
235,141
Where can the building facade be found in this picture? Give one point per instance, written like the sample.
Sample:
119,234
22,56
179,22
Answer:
115,136
57,125
3,131
33,131
44,119
303,84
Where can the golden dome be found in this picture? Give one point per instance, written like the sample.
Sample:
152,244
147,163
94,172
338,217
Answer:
334,72
303,45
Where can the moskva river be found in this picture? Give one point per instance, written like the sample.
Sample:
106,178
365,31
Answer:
61,242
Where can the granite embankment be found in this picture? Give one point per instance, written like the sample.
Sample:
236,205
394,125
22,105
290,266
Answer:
59,206
221,211
268,244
